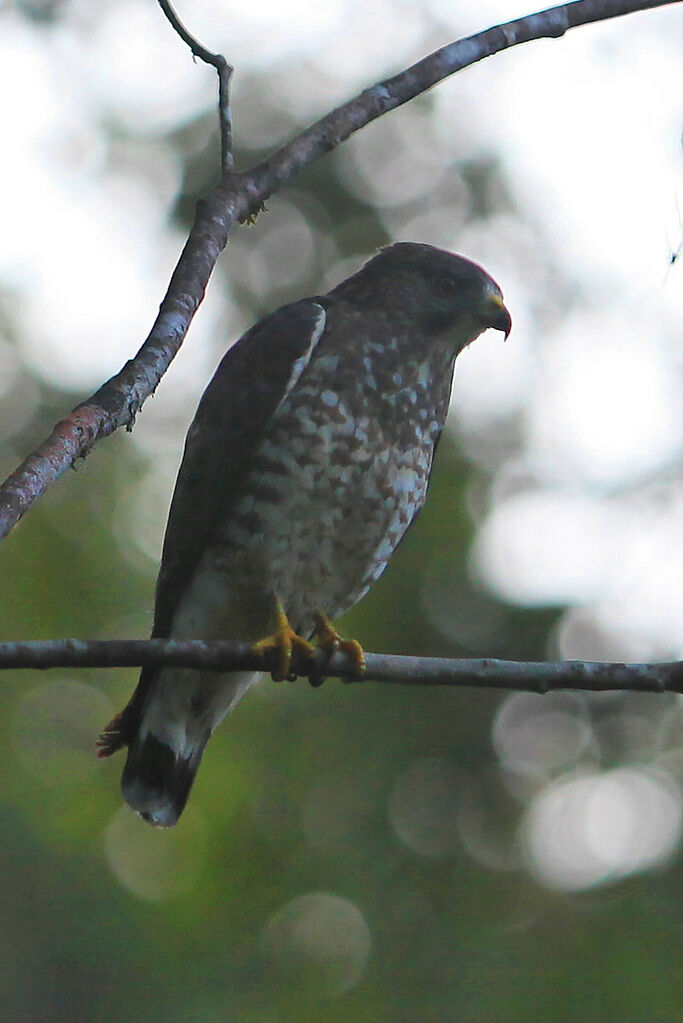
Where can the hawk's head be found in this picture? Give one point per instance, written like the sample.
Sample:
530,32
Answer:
437,291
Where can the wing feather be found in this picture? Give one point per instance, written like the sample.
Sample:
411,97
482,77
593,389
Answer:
252,380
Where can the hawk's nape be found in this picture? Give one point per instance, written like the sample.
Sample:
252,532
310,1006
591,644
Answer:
308,458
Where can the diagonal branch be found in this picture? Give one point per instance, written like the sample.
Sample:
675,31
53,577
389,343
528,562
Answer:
488,673
239,196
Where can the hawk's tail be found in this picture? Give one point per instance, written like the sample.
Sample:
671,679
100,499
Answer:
157,778
166,726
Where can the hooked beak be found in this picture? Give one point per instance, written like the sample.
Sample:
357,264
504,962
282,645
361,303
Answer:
495,314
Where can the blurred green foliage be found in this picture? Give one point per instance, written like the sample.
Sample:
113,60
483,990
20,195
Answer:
311,877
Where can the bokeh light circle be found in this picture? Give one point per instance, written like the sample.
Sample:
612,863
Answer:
589,829
155,864
54,728
319,940
424,806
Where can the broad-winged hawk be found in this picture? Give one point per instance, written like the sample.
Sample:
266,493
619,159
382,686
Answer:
307,461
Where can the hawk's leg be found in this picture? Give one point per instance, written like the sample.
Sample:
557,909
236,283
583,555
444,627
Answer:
329,639
285,641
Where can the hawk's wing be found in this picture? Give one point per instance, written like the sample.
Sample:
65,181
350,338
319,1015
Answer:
252,380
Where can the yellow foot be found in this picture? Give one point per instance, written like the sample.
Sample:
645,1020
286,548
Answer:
285,641
329,639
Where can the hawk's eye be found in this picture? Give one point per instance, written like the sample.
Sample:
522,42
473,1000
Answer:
445,286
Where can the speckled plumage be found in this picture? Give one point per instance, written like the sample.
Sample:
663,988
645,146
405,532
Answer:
308,459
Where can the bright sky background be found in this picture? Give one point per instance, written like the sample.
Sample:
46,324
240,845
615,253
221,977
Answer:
589,129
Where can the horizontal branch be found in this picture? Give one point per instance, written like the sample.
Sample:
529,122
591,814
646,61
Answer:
240,196
487,673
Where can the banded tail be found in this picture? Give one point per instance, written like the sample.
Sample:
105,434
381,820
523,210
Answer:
166,726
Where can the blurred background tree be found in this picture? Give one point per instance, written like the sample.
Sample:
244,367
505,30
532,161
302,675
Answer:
360,853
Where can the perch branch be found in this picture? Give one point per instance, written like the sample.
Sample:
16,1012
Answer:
488,673
235,199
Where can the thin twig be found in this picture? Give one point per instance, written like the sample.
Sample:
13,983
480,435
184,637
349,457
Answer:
225,72
239,196
488,673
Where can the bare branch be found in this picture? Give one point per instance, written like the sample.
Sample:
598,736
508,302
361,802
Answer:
225,72
488,673
240,195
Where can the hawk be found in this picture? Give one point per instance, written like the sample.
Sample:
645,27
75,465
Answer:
307,460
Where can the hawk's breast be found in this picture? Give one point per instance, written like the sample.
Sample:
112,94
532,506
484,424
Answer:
336,481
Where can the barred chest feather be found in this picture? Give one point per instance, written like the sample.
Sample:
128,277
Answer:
339,476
